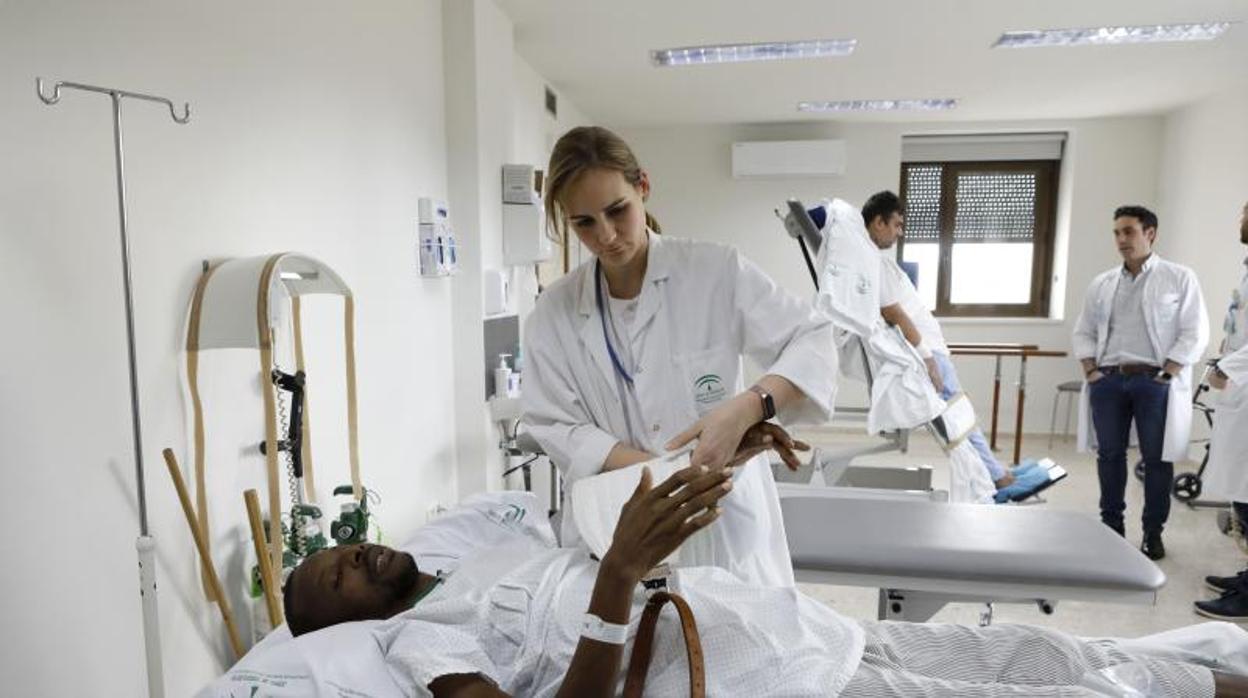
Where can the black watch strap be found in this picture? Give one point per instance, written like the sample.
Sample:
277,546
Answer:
769,405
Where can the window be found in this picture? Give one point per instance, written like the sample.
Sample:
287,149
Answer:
981,235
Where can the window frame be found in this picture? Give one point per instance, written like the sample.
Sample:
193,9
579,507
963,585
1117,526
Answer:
1043,240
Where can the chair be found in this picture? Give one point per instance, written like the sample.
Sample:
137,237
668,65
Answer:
1070,389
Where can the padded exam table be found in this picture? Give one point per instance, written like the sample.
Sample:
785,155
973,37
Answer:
922,554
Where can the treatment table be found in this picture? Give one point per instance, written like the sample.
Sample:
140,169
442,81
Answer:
922,554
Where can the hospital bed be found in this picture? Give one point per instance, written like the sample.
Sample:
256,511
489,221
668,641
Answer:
922,554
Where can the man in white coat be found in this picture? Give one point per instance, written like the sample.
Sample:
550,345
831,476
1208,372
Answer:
1142,328
1226,476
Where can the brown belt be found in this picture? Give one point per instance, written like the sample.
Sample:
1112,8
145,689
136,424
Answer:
639,662
1131,369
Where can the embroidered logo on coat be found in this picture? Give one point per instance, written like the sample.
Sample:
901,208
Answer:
708,389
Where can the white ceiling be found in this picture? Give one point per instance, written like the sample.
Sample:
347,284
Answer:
596,53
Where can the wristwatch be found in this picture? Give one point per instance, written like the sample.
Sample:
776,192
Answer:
600,630
1162,375
769,405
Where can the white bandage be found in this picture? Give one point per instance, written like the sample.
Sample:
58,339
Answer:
599,630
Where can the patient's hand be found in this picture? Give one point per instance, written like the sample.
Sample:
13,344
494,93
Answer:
764,436
656,520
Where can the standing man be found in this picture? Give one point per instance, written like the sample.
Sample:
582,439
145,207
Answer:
1226,477
901,305
1142,327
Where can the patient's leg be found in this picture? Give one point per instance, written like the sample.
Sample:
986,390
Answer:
924,659
949,377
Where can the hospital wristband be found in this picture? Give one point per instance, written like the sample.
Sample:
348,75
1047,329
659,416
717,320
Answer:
599,630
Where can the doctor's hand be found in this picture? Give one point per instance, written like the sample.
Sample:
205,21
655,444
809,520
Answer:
656,520
1218,379
719,432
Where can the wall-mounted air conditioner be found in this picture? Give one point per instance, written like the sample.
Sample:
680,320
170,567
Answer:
788,158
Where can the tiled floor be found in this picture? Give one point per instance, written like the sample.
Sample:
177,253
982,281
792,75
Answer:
1194,547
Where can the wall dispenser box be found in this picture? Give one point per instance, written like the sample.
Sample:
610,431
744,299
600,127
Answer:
495,283
524,232
436,245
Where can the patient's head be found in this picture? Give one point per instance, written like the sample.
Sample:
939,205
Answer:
349,582
884,217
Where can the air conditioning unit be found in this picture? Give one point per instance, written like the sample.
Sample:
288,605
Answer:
788,159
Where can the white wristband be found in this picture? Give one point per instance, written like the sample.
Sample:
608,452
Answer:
599,630
925,352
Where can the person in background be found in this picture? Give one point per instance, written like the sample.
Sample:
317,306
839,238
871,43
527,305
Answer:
900,305
1142,328
1226,476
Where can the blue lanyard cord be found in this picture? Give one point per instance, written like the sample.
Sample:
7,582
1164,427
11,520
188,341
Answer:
606,336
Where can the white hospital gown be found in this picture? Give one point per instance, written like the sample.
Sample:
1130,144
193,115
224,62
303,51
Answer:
515,616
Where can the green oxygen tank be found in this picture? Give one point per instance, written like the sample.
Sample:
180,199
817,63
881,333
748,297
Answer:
351,526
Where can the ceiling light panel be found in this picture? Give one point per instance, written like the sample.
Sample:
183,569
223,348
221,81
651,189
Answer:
879,105
1097,36
739,53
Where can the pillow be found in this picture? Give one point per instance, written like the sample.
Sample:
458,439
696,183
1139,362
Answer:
483,520
339,661
345,660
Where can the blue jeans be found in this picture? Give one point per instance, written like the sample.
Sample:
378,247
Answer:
1116,400
949,377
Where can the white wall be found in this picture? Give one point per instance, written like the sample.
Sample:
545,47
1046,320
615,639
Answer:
316,125
1108,162
495,115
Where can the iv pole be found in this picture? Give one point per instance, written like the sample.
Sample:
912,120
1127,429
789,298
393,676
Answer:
145,543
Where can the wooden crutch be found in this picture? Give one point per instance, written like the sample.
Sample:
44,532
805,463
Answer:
201,544
268,582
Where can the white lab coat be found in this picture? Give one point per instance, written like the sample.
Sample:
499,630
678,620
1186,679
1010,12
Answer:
1178,329
1226,476
706,306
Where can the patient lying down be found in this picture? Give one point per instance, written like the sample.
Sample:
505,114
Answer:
508,622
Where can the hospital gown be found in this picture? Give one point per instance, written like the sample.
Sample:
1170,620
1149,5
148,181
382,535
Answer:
514,616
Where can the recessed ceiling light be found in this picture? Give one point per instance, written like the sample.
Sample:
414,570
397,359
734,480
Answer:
737,53
879,105
1153,33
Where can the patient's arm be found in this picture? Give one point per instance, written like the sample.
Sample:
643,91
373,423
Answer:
894,315
653,523
1229,685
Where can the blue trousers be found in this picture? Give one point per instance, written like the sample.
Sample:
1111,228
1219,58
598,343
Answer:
949,377
1116,401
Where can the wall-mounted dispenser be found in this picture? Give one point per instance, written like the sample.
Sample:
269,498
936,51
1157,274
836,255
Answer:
438,256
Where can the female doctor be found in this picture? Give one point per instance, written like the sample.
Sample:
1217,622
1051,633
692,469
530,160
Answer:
638,352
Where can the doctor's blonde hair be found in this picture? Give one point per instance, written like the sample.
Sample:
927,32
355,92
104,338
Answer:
581,149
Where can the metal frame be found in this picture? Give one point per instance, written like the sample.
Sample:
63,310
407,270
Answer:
145,544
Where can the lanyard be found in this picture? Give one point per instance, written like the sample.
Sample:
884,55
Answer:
623,382
606,336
